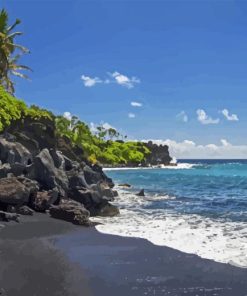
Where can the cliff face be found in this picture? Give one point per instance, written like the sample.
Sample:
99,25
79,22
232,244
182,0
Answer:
159,154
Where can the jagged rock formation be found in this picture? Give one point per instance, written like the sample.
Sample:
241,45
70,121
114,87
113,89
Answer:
159,154
42,172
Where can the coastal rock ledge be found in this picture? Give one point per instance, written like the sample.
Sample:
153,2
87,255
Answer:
42,172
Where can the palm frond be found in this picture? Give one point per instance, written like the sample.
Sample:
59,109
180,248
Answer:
10,28
3,20
8,56
18,74
13,35
22,48
14,59
20,67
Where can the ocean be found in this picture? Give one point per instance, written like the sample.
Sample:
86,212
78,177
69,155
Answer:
198,207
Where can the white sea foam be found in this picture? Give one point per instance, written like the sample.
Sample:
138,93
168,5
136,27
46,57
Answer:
179,166
222,241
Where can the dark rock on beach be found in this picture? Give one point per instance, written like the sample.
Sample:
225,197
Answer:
16,191
95,200
71,211
45,172
24,210
141,193
6,217
95,174
77,179
125,185
108,210
115,193
44,199
40,172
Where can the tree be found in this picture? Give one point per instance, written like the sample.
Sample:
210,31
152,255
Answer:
10,53
101,132
113,133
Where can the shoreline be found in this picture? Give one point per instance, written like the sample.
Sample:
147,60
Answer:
64,259
207,243
175,167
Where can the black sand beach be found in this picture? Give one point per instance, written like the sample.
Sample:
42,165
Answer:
52,257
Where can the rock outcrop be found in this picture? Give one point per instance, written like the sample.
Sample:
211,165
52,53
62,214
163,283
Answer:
14,152
16,191
71,211
159,154
141,193
43,200
40,172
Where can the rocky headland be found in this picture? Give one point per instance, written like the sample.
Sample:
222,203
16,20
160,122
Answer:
43,172
159,155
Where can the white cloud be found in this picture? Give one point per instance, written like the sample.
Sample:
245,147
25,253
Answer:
203,118
229,117
225,143
124,80
182,116
131,115
89,81
105,125
136,104
116,77
189,149
67,115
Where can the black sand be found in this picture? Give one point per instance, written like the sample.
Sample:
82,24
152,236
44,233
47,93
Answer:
50,257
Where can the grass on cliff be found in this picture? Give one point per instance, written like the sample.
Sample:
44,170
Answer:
98,147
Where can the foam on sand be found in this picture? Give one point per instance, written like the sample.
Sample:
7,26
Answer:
221,241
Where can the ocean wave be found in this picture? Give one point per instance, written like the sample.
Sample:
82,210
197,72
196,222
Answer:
217,239
179,166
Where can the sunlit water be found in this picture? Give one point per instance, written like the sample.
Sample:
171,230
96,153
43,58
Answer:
198,207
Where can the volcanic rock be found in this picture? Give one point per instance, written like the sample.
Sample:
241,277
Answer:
71,211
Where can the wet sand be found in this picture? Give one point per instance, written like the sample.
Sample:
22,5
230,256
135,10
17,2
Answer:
43,256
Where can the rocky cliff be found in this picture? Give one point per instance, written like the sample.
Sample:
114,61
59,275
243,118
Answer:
40,171
159,154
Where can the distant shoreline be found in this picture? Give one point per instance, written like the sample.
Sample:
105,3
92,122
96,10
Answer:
177,166
106,167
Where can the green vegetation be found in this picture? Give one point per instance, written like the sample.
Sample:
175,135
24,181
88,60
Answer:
99,147
10,53
12,109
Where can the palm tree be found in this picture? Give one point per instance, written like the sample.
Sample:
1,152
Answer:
10,53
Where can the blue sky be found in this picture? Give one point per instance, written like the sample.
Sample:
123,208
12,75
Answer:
182,60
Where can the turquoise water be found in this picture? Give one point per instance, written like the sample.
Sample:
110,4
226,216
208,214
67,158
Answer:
213,188
198,207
